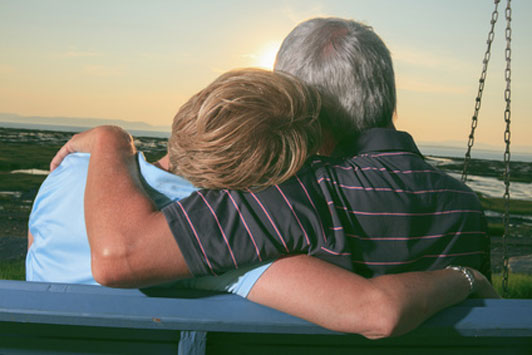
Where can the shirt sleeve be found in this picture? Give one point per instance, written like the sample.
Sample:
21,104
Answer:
238,282
218,231
224,230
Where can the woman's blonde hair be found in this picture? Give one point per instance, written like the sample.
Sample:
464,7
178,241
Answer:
250,128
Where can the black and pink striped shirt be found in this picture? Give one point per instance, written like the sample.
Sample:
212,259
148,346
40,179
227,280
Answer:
382,210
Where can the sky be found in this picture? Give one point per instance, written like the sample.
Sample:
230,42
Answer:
140,60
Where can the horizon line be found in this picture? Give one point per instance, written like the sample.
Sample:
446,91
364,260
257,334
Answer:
133,125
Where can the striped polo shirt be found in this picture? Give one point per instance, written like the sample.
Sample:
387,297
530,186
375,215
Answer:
382,210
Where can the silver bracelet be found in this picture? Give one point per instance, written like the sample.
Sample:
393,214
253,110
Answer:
467,274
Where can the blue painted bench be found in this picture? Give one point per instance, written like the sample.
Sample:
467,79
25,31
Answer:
60,318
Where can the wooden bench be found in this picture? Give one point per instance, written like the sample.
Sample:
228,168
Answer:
61,318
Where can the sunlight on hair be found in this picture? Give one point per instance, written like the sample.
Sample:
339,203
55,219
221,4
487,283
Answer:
265,56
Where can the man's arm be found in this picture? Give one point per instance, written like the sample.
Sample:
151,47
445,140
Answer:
131,243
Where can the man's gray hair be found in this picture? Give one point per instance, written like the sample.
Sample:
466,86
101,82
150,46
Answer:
349,65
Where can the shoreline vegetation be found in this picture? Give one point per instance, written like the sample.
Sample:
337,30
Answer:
23,149
519,171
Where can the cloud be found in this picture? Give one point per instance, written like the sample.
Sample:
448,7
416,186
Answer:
217,70
299,15
7,69
102,70
412,84
264,56
431,60
435,72
76,53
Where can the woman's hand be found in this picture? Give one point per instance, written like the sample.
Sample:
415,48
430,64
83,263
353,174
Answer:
483,288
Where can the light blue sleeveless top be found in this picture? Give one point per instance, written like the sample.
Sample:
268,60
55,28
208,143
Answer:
60,251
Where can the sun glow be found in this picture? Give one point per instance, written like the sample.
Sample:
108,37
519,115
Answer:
265,56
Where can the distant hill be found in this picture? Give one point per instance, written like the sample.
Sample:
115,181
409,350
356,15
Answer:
76,124
84,122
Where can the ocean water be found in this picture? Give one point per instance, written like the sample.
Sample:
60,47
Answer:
492,187
76,129
486,154
488,186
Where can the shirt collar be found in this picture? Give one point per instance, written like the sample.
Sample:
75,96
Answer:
379,140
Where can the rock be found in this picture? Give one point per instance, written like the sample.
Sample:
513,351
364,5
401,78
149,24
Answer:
521,264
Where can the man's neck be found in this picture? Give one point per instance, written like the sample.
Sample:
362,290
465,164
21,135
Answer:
391,125
328,143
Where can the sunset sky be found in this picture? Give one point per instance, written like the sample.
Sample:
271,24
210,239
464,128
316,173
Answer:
140,60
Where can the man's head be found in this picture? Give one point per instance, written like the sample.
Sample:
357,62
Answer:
350,66
250,128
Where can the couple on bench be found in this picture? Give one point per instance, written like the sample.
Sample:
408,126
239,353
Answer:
291,188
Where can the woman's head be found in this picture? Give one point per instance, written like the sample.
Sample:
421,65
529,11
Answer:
250,128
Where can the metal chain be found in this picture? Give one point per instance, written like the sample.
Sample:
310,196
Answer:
507,116
481,83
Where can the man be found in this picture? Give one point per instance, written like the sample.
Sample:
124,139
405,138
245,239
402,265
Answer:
316,212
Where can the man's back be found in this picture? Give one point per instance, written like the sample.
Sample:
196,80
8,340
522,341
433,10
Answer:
384,210
399,213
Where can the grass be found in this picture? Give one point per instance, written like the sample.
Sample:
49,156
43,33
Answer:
14,156
12,270
20,182
520,171
495,229
152,157
519,285
521,207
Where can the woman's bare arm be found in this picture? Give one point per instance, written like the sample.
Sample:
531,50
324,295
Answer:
343,301
30,239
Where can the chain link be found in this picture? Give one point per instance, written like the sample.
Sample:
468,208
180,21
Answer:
507,134
481,83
